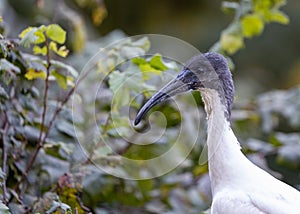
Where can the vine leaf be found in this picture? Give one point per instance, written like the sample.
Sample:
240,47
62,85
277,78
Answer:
56,33
34,74
40,50
60,79
231,42
252,25
61,51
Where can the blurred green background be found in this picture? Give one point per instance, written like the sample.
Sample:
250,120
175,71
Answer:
265,120
271,60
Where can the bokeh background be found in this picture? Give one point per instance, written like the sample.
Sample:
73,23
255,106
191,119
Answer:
268,61
266,115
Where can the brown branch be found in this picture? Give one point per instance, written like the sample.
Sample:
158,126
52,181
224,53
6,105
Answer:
57,110
40,139
4,157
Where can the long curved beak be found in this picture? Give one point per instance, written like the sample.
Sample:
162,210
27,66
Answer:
184,82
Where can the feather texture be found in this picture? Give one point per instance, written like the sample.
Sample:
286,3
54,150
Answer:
239,186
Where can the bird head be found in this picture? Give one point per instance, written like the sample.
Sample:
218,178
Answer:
202,72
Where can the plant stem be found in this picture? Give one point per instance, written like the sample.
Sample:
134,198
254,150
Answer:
57,110
41,140
4,157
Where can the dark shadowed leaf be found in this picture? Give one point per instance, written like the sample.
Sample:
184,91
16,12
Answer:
3,93
7,66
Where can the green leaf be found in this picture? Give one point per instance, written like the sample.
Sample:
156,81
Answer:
123,80
1,19
34,74
138,60
25,32
122,84
3,48
3,208
231,42
260,5
62,51
64,66
157,62
56,33
28,36
147,69
8,66
155,65
60,150
39,50
252,25
60,79
3,93
121,92
65,127
32,35
39,33
279,17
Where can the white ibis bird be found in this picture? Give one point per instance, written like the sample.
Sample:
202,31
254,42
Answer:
238,186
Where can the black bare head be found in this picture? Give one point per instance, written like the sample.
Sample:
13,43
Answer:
209,70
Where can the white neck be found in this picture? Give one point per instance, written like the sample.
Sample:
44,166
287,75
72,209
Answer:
224,155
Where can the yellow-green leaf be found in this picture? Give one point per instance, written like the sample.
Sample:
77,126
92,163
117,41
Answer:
157,62
231,42
64,66
40,35
280,17
70,81
39,50
262,5
1,19
252,25
33,74
24,32
138,60
62,51
53,46
56,33
60,79
32,35
147,69
28,36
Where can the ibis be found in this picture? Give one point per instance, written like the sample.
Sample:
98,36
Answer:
238,186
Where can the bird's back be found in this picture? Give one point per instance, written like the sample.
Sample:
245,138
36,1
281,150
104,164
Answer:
269,196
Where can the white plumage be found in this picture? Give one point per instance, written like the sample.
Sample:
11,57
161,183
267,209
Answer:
238,186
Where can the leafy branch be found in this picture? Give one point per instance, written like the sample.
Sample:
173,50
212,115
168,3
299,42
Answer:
45,40
250,18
